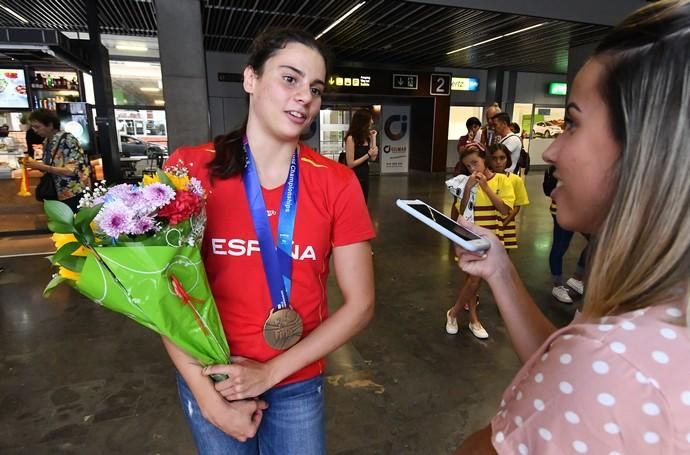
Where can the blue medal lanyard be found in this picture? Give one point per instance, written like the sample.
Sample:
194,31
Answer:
277,261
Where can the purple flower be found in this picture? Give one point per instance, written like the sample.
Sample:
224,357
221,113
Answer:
134,197
118,191
144,225
158,195
195,187
115,219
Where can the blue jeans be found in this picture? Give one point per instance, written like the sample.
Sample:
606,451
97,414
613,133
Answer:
561,242
292,424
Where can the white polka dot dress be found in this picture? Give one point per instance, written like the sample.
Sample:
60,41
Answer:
616,387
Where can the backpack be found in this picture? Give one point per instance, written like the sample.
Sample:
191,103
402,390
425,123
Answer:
523,161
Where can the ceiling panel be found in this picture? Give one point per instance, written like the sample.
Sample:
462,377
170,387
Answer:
391,32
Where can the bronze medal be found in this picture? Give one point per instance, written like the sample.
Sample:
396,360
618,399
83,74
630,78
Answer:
283,328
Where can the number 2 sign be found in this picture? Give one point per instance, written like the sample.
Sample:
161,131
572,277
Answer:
440,84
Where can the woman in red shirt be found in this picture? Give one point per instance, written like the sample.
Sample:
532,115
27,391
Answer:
266,188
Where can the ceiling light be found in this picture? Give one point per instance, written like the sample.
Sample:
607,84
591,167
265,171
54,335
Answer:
149,89
18,16
132,47
496,37
158,102
340,19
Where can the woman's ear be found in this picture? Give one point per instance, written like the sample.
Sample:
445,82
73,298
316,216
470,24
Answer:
249,79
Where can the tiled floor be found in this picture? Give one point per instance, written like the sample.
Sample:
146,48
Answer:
75,378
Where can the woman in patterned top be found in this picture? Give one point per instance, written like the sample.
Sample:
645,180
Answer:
63,157
615,380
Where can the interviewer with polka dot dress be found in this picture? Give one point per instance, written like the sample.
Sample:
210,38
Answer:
603,388
616,380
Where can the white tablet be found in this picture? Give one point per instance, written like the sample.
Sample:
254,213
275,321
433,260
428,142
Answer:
437,221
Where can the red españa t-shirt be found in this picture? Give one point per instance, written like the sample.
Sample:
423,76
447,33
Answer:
331,212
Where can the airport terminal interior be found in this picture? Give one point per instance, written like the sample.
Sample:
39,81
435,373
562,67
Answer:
77,378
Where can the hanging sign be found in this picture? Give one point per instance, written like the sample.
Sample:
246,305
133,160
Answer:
405,81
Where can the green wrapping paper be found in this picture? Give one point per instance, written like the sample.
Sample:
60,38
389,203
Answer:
135,249
163,288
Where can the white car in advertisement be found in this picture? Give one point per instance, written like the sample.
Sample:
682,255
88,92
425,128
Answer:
546,129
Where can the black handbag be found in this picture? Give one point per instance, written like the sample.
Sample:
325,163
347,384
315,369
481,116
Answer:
46,189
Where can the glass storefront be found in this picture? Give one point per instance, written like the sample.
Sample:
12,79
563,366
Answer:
334,124
458,119
540,125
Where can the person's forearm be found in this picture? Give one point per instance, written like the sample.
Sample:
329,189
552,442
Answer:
326,338
512,215
497,201
66,171
190,369
527,326
465,199
352,162
478,443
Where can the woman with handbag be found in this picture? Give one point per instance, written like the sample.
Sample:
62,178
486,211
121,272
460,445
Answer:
66,167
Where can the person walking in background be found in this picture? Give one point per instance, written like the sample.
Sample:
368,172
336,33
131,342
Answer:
559,246
7,142
494,201
360,147
473,125
63,158
487,135
500,161
32,139
511,140
615,379
262,185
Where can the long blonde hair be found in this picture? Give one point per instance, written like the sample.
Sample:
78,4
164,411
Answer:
641,254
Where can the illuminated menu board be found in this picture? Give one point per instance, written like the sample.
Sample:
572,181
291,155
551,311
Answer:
13,89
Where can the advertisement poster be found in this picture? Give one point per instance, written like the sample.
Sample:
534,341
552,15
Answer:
13,89
394,150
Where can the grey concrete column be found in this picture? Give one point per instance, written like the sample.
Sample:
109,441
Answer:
183,67
494,86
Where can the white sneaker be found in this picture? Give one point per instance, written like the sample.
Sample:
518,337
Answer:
577,285
478,331
561,294
451,324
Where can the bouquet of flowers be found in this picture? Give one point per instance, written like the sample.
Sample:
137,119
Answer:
135,249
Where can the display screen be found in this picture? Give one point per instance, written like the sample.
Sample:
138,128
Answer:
13,89
444,221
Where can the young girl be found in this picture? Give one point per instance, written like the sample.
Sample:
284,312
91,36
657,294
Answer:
494,201
360,147
272,300
500,161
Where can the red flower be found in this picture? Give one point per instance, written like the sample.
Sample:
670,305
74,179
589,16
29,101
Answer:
182,207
